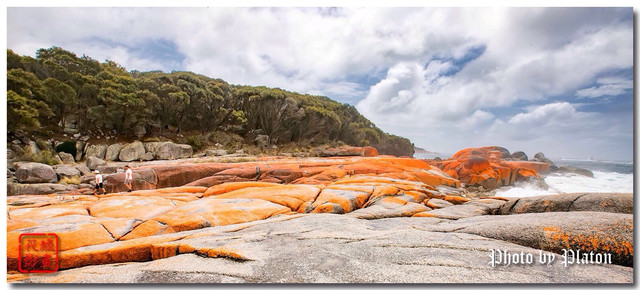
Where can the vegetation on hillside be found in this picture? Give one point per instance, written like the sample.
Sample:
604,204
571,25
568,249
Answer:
57,87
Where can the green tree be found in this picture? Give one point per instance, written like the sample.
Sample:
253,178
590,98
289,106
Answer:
62,99
22,113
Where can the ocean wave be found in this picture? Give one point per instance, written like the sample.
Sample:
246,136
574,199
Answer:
601,181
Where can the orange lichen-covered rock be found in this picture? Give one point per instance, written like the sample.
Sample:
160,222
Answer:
538,167
148,228
215,180
338,199
180,189
487,167
142,179
485,152
370,151
218,212
477,164
137,207
456,199
227,187
70,236
118,227
178,175
45,212
291,196
135,250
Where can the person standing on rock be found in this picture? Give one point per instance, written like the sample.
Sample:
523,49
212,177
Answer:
99,185
128,177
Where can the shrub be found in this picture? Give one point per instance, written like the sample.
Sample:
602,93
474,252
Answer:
197,142
45,156
68,147
43,144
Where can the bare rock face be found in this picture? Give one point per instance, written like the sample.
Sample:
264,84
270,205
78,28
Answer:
36,173
171,151
600,232
94,162
132,151
605,202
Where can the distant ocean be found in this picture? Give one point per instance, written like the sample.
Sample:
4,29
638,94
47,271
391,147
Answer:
608,176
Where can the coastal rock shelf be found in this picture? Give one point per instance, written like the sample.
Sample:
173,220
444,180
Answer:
353,219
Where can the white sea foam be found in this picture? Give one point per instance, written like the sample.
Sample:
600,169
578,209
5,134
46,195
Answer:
568,183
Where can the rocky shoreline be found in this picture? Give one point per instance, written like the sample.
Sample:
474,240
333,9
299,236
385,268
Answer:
363,218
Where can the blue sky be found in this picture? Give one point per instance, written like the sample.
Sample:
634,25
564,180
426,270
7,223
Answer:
556,80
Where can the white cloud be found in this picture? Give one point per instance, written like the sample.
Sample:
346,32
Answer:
545,114
611,86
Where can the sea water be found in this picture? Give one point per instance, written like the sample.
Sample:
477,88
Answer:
608,176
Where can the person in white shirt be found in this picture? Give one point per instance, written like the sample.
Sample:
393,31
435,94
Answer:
128,177
99,185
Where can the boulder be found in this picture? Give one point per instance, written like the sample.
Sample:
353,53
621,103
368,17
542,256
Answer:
94,162
38,188
79,150
36,173
33,148
66,171
574,170
519,155
171,151
84,170
216,152
152,147
132,151
108,169
262,140
140,130
147,156
96,150
113,151
66,158
10,154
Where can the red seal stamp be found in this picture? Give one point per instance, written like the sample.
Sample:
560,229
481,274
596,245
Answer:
38,253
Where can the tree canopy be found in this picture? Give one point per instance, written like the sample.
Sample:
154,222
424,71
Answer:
56,84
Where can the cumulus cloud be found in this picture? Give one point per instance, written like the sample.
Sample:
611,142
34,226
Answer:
443,77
